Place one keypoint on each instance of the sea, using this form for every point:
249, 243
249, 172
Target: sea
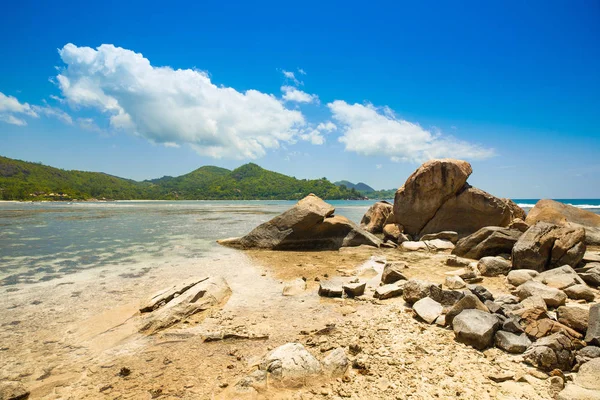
44, 241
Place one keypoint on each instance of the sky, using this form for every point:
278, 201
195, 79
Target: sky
344, 90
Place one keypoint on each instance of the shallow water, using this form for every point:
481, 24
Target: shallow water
45, 241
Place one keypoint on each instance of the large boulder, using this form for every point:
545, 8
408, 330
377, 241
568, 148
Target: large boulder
566, 215
308, 225
487, 241
204, 295
290, 364
468, 211
475, 328
426, 190
545, 246
376, 216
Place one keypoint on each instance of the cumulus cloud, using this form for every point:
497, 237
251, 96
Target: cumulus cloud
372, 131
289, 75
290, 93
316, 135
175, 106
12, 111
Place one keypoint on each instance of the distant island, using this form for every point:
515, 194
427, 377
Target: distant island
367, 190
21, 180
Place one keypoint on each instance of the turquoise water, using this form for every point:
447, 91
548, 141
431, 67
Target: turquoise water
45, 241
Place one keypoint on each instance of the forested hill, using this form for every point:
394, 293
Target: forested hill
20, 180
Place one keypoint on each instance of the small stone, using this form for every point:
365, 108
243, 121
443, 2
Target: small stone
294, 287
580, 292
475, 328
517, 277
388, 291
493, 266
392, 272
454, 282
502, 376
574, 317
470, 301
428, 309
552, 296
592, 336
330, 289
512, 343
481, 292
336, 363
354, 289
415, 289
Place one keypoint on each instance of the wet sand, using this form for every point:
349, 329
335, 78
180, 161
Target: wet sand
69, 338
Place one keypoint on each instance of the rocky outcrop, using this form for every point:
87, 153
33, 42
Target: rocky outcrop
202, 296
376, 216
437, 197
565, 215
487, 241
308, 225
545, 246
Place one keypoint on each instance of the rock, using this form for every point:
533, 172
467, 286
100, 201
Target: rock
336, 363
439, 244
388, 291
554, 212
544, 246
469, 302
586, 354
535, 301
512, 343
552, 297
441, 320
308, 225
551, 352
482, 293
538, 324
392, 272
475, 328
559, 278
588, 376
519, 225
330, 289
294, 287
493, 266
426, 190
354, 289
414, 246
206, 294
445, 297
428, 309
454, 261
516, 212
500, 377
574, 392
512, 325
591, 276
374, 219
580, 292
13, 391
290, 363
454, 282
415, 289
393, 233
449, 236
591, 256
487, 241
574, 317
468, 211
493, 307
592, 336
517, 277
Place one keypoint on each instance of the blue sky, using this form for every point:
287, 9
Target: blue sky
142, 90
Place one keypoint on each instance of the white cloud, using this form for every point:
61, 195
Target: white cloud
53, 112
379, 166
315, 136
175, 106
301, 71
10, 107
292, 77
290, 93
372, 131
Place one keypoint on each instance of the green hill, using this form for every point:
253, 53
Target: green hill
20, 180
367, 190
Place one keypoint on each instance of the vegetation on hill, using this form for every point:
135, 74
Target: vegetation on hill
367, 190
20, 180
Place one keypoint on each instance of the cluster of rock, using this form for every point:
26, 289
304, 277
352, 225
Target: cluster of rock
308, 225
